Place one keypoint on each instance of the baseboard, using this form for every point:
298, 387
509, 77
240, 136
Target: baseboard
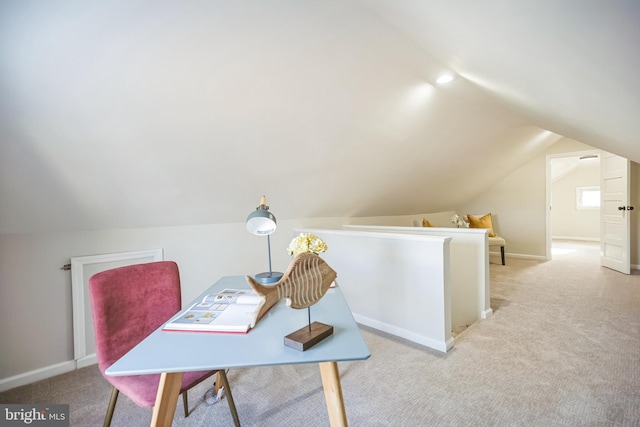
524, 256
46, 372
435, 344
541, 258
37, 375
485, 314
512, 255
582, 239
89, 360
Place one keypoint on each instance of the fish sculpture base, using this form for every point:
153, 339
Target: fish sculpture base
308, 336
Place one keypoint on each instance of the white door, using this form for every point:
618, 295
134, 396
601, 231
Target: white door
615, 213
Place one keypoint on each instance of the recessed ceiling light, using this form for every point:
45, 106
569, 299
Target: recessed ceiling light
445, 78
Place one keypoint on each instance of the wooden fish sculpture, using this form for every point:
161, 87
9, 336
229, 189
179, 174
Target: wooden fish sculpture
306, 280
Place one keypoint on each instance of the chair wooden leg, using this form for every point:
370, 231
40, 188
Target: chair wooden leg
232, 406
111, 407
217, 384
502, 253
185, 401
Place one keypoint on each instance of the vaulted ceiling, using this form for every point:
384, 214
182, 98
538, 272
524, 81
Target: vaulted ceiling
148, 113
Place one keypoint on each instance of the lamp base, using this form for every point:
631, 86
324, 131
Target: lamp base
268, 278
303, 338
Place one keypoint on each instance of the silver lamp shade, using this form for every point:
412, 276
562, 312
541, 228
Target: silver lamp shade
261, 222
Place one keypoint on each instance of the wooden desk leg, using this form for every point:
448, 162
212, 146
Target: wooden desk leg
333, 393
166, 399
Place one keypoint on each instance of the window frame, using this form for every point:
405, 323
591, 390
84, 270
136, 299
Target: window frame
580, 197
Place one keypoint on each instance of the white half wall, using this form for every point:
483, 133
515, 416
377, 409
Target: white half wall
469, 262
394, 282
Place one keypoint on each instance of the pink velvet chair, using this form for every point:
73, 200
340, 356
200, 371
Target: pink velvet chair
128, 303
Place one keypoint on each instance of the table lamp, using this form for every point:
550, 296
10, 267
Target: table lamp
262, 222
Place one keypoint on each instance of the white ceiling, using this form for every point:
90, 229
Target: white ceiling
147, 113
567, 66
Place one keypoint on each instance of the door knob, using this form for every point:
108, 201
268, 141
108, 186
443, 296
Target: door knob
629, 208
622, 208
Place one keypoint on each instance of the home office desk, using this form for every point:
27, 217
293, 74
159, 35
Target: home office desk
173, 353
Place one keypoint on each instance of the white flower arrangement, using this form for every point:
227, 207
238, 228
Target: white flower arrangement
306, 242
459, 221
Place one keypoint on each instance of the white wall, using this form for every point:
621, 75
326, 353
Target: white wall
35, 294
567, 221
438, 219
518, 204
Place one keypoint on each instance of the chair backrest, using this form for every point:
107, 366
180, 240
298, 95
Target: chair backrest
128, 303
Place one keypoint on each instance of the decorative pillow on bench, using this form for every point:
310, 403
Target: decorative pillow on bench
481, 222
426, 223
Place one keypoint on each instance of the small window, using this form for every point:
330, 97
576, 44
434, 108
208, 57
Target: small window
587, 197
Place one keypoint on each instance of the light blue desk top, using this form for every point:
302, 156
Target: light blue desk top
171, 351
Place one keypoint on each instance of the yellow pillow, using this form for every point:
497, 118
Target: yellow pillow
481, 222
426, 223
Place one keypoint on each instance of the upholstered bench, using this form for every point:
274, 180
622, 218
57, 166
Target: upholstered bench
473, 221
484, 221
498, 241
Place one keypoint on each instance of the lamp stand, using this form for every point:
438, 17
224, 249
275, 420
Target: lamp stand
270, 277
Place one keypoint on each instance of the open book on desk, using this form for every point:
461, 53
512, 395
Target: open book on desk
232, 310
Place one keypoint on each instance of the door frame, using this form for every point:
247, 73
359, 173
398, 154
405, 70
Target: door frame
550, 157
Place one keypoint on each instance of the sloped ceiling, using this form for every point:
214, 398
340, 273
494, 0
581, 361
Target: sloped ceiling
149, 113
567, 66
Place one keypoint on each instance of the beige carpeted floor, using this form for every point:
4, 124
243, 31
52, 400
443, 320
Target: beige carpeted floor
562, 349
